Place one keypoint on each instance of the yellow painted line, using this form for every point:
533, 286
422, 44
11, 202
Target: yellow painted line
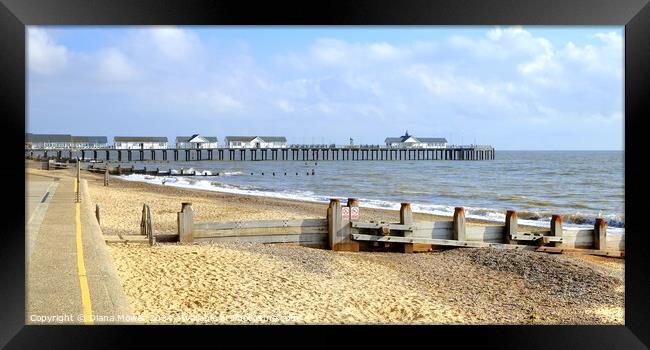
81, 267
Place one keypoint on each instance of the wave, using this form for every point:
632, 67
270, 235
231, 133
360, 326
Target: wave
615, 223
204, 172
231, 173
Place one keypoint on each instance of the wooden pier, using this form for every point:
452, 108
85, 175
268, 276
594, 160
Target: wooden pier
270, 154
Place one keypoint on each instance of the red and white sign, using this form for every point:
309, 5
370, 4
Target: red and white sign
354, 213
345, 213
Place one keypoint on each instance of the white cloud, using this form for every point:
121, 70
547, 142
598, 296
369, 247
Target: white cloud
113, 65
336, 52
331, 51
218, 101
45, 56
174, 43
598, 59
613, 39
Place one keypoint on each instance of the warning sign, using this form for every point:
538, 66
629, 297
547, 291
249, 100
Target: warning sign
345, 213
354, 213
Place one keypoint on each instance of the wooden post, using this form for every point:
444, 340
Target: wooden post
556, 228
600, 234
143, 220
334, 222
185, 223
106, 176
339, 229
149, 224
459, 224
346, 243
406, 218
511, 226
97, 214
78, 194
405, 214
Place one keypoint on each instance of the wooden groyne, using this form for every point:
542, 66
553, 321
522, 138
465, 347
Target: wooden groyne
471, 152
343, 230
128, 170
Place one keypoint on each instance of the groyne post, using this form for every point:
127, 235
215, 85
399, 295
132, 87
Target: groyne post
334, 222
459, 224
97, 214
106, 176
339, 225
406, 218
185, 223
347, 244
600, 234
511, 226
556, 228
78, 193
150, 236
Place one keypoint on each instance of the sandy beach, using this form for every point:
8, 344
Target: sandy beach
261, 284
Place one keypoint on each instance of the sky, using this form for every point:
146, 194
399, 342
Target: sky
515, 88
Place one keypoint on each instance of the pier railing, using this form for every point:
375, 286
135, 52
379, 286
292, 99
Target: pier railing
342, 230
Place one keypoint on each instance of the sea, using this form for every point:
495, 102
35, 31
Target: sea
580, 185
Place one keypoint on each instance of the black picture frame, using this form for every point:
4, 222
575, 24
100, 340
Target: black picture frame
633, 14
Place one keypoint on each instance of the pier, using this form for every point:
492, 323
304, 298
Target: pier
472, 152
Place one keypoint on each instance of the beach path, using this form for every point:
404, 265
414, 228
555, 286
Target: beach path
69, 278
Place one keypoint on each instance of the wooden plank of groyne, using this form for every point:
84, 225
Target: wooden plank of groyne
125, 238
289, 238
578, 239
376, 226
259, 224
421, 225
442, 242
526, 237
615, 243
438, 233
612, 253
484, 233
259, 231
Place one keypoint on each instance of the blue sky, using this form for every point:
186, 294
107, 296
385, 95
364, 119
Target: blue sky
511, 87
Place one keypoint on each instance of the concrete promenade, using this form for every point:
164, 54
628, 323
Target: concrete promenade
70, 277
